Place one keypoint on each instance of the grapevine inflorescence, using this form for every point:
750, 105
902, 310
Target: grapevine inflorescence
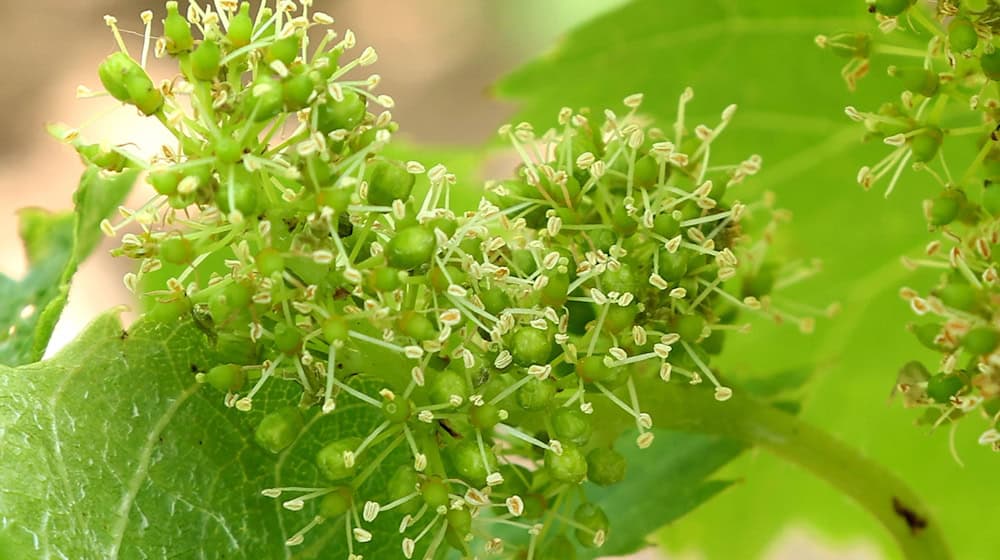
944, 125
614, 255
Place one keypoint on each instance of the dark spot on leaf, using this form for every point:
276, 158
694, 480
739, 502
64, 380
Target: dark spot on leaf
913, 520
124, 335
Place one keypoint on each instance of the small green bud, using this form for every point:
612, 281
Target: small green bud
296, 91
270, 261
917, 79
336, 503
177, 250
446, 384
411, 247
892, 8
397, 410
266, 98
690, 327
530, 346
569, 467
279, 429
177, 30
605, 466
287, 339
990, 63
335, 329
388, 181
594, 525
468, 461
206, 61
284, 50
926, 144
484, 417
962, 34
336, 460
571, 425
435, 492
345, 114
228, 377
981, 341
536, 394
240, 27
942, 387
945, 208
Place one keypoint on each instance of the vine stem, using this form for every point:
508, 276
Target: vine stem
746, 419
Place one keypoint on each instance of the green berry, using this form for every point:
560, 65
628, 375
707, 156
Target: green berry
177, 250
336, 503
459, 526
397, 410
926, 144
667, 225
206, 61
388, 181
530, 346
266, 98
945, 208
468, 461
227, 377
496, 300
287, 339
240, 27
297, 90
345, 114
646, 173
942, 387
571, 425
335, 329
177, 30
592, 369
569, 467
962, 34
416, 326
411, 247
690, 327
536, 394
284, 50
554, 293
981, 341
279, 429
331, 460
445, 384
673, 266
164, 181
594, 525
169, 311
624, 279
917, 79
927, 335
605, 466
228, 150
990, 63
484, 417
435, 492
618, 318
143, 93
960, 296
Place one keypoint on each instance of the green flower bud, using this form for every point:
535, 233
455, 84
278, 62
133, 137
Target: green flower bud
297, 90
569, 467
468, 461
571, 425
177, 30
945, 208
228, 377
240, 27
990, 63
287, 339
403, 483
530, 346
594, 524
942, 387
266, 98
484, 417
285, 50
206, 61
446, 384
962, 34
345, 114
177, 250
279, 429
411, 247
892, 8
336, 503
605, 466
536, 394
397, 410
336, 460
917, 79
388, 181
981, 341
436, 492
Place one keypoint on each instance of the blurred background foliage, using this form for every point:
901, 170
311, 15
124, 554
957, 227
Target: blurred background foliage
440, 59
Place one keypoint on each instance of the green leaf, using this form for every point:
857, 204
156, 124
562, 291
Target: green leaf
111, 449
55, 245
657, 492
761, 56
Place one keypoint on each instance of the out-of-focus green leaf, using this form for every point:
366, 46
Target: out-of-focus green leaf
761, 56
55, 245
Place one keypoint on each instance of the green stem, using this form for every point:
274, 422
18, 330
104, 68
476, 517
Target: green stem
750, 421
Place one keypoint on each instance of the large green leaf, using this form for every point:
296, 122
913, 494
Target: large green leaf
761, 56
111, 449
55, 245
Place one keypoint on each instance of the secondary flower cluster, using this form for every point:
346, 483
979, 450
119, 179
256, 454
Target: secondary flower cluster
950, 100
299, 247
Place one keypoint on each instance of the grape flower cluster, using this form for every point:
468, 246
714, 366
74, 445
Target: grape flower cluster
614, 254
944, 125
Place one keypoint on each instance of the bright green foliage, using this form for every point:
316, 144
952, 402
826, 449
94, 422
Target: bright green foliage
138, 455
55, 247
